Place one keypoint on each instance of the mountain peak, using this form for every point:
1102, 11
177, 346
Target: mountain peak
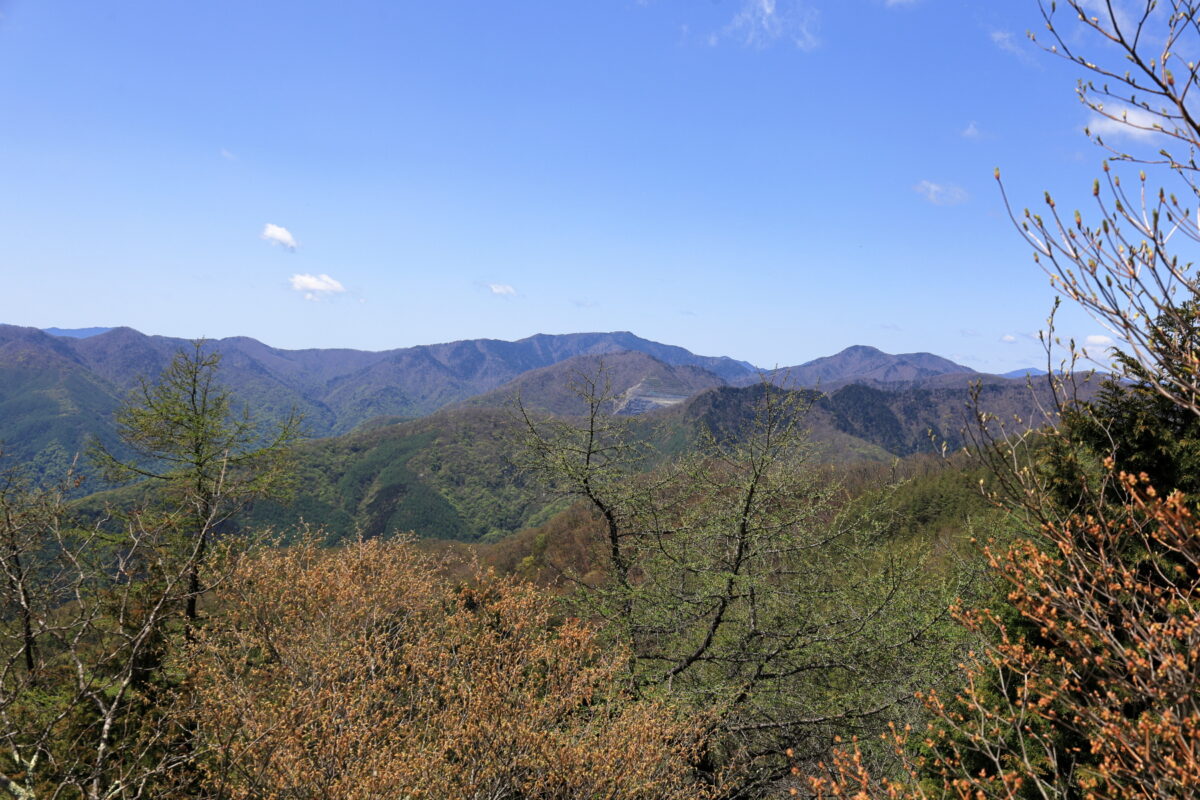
862, 362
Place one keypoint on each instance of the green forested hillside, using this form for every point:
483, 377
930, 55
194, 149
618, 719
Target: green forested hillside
448, 476
452, 475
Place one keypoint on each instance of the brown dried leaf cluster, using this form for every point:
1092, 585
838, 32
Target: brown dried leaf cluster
365, 673
1113, 663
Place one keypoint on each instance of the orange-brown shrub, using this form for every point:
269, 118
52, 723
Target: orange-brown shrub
1094, 692
365, 673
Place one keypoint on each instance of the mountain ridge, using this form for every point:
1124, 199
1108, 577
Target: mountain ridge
58, 391
863, 362
46, 376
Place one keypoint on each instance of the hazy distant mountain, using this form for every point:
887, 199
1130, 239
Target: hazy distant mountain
76, 333
70, 385
862, 363
56, 391
1027, 372
450, 474
639, 383
896, 419
563, 346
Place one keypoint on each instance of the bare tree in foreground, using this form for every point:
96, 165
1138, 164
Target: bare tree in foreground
85, 709
745, 582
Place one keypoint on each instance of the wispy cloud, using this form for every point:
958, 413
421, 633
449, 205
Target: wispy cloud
894, 3
1011, 44
228, 156
1134, 123
1097, 340
941, 194
971, 131
762, 23
315, 287
1008, 338
277, 234
501, 289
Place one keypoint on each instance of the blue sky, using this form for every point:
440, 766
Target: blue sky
771, 180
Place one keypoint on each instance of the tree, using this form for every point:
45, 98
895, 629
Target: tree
1123, 268
85, 616
1092, 690
184, 434
91, 614
742, 580
1090, 687
365, 672
1137, 426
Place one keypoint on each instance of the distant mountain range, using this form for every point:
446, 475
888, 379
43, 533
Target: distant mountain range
60, 386
76, 333
56, 390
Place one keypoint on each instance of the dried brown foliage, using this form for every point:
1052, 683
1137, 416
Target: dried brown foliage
365, 673
1102, 699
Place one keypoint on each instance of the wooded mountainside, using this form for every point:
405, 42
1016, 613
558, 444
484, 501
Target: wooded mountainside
594, 566
446, 473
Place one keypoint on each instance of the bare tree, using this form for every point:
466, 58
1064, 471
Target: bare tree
745, 581
84, 707
1129, 265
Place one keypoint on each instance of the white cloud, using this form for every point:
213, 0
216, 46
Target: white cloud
1098, 341
1136, 123
502, 289
894, 3
1011, 44
941, 194
971, 131
316, 286
762, 23
228, 156
277, 234
1008, 338
1004, 40
1100, 9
